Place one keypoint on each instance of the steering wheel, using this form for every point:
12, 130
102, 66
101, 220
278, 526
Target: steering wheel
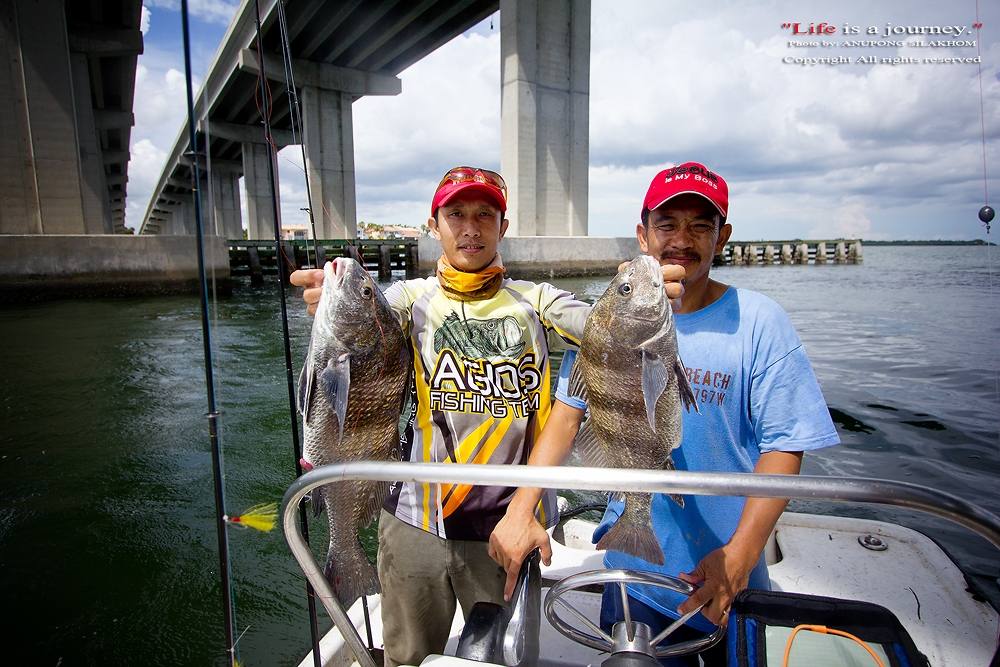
628, 636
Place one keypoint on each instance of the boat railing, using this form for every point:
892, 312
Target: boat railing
849, 489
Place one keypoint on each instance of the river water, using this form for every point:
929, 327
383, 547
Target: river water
107, 536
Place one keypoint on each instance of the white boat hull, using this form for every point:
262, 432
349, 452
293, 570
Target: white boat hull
808, 553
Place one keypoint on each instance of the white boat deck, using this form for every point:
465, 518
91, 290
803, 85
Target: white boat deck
812, 554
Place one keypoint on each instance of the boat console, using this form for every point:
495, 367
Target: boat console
760, 624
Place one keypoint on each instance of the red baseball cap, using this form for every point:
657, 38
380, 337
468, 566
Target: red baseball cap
688, 178
487, 183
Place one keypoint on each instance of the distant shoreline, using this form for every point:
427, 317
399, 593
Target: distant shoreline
975, 242
866, 242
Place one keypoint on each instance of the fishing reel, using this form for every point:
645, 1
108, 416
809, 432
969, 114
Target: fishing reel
630, 642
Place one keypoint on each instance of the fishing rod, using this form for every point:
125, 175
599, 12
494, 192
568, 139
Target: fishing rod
286, 339
213, 414
986, 213
295, 119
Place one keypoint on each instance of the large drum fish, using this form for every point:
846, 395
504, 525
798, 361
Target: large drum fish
351, 392
634, 383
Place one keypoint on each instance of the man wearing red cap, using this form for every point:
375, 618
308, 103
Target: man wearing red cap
481, 394
760, 409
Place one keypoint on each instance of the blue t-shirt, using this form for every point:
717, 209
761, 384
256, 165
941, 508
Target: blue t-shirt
757, 393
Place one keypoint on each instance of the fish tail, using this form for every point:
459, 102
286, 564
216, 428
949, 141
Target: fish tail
350, 573
631, 538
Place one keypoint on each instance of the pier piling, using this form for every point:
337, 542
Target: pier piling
381, 256
766, 253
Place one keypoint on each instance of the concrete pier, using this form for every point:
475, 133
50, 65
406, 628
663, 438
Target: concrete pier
66, 90
257, 182
46, 153
48, 266
838, 251
224, 198
544, 114
328, 138
550, 256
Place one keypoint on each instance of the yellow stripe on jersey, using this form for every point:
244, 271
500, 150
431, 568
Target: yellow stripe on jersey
482, 457
544, 408
466, 447
424, 424
544, 400
565, 334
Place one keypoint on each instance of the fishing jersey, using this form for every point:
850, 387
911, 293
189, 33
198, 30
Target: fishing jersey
481, 394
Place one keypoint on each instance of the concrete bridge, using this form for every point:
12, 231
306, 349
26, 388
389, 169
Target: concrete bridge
66, 88
344, 50
69, 82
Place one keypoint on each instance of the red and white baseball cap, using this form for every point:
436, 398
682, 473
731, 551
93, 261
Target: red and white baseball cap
689, 178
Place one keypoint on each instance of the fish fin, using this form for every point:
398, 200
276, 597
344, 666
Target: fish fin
317, 502
350, 574
336, 379
589, 446
684, 386
376, 498
654, 381
630, 538
577, 387
676, 497
305, 387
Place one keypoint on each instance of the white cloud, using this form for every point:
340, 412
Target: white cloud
144, 20
211, 11
143, 172
159, 110
874, 150
850, 220
692, 82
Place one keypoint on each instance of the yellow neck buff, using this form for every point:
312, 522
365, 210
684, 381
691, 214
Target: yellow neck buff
464, 286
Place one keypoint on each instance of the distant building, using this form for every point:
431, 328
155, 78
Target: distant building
400, 232
369, 230
294, 232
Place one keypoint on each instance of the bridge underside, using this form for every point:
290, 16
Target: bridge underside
342, 51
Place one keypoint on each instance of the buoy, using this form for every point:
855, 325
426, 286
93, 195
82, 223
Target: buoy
986, 214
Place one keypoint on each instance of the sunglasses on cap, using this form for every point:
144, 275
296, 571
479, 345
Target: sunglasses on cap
467, 174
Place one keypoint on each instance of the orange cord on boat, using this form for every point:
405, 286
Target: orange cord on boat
822, 629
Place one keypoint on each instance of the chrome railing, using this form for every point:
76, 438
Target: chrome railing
885, 492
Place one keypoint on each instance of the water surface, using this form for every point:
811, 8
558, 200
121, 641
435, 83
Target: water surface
107, 537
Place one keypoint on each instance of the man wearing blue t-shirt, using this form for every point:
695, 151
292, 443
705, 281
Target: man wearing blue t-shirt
760, 409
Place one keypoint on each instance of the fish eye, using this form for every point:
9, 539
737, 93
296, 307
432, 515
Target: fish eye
366, 292
625, 289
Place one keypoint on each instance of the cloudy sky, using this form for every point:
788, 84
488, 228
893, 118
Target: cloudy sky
879, 151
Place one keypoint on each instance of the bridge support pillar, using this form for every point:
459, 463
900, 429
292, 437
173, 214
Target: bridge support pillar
184, 222
328, 138
545, 98
257, 182
225, 204
93, 186
40, 182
